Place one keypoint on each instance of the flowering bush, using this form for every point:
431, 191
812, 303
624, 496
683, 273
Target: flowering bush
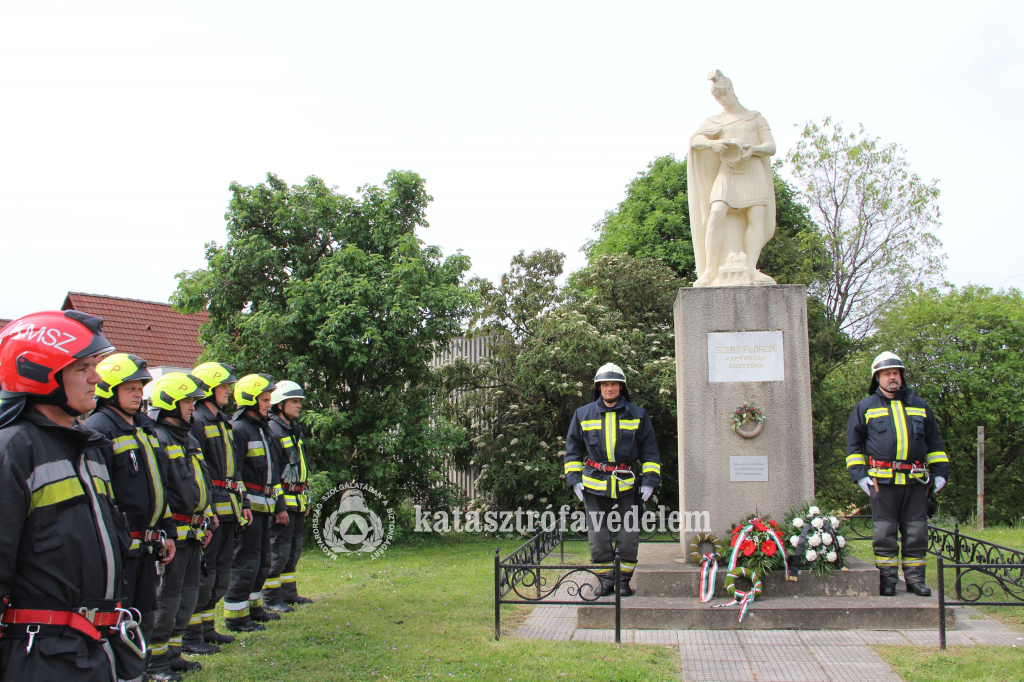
823, 548
758, 549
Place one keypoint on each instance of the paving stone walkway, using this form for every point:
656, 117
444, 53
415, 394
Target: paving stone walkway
777, 655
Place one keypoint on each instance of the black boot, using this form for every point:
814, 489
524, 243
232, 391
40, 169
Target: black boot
199, 647
243, 625
299, 599
159, 669
214, 637
920, 589
273, 600
624, 588
605, 587
182, 665
887, 579
261, 615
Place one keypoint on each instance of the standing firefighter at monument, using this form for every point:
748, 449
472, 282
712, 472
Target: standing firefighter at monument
172, 400
286, 539
893, 451
610, 449
243, 604
212, 429
62, 539
137, 477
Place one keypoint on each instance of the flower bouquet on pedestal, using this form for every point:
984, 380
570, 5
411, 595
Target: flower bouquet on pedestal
756, 549
814, 542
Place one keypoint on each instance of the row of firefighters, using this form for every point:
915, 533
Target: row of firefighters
123, 530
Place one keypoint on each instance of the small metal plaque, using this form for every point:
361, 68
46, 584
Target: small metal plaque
748, 468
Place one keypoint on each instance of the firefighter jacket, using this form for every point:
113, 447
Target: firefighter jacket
188, 482
222, 460
293, 450
902, 429
63, 539
261, 471
136, 475
622, 434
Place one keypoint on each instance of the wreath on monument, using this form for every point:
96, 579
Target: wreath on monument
708, 562
697, 556
748, 412
742, 597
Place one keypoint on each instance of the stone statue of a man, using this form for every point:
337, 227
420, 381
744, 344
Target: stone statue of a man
731, 193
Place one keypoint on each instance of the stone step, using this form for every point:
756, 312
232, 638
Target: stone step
662, 573
902, 612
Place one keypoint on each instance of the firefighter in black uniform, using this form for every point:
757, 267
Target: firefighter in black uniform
212, 428
893, 450
261, 476
286, 540
610, 442
63, 538
137, 479
172, 399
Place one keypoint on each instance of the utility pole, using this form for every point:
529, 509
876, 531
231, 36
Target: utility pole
981, 478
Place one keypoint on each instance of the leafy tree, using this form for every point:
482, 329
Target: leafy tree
339, 294
547, 344
875, 217
964, 351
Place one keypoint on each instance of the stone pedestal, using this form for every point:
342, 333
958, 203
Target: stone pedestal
770, 369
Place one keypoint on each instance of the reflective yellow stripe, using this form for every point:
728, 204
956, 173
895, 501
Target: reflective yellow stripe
136, 543
875, 413
899, 479
880, 473
917, 412
224, 508
629, 424
211, 431
570, 467
649, 467
174, 451
229, 452
591, 425
856, 460
913, 562
196, 619
291, 501
200, 481
937, 457
287, 442
610, 433
100, 486
124, 444
155, 478
594, 484
255, 452
886, 561
55, 493
900, 420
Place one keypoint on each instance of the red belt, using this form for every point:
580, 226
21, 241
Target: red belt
608, 468
84, 621
255, 487
195, 520
149, 535
295, 488
235, 486
895, 466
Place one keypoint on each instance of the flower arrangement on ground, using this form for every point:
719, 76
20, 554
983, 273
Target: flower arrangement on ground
814, 542
756, 543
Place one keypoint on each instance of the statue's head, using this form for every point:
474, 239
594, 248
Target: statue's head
721, 89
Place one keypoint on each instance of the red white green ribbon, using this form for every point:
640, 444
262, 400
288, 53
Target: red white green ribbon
773, 534
708, 573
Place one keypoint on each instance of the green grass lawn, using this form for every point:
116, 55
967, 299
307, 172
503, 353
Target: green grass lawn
974, 663
422, 611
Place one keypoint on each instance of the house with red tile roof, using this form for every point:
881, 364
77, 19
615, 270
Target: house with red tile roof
165, 338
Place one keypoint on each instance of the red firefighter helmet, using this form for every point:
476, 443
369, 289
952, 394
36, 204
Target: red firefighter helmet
34, 348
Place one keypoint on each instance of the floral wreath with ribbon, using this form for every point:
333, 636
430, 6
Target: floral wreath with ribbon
708, 562
769, 536
743, 598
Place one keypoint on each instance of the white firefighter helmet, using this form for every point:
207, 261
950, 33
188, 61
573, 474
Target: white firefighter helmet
610, 372
886, 360
286, 390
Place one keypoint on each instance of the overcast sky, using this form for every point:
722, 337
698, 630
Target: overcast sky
122, 124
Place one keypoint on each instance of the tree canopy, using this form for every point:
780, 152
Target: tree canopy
338, 294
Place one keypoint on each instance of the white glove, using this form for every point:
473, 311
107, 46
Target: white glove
578, 489
646, 491
940, 483
864, 483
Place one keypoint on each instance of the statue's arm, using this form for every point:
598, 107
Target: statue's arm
702, 141
764, 134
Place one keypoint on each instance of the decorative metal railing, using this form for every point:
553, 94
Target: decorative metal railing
984, 573
522, 578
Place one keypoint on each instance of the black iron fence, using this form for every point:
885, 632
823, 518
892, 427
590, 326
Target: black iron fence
522, 578
984, 573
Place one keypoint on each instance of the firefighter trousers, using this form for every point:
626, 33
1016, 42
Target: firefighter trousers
901, 509
140, 583
282, 537
217, 558
250, 567
175, 602
605, 517
288, 585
